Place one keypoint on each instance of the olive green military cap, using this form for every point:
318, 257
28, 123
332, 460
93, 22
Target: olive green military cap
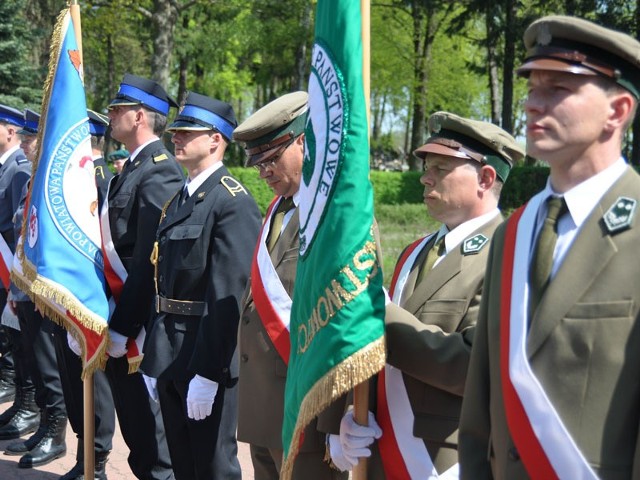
574, 45
483, 142
272, 128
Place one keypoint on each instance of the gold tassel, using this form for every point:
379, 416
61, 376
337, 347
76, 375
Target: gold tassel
354, 370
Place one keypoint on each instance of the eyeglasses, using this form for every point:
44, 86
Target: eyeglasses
272, 160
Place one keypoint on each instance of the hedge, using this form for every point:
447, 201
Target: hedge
395, 188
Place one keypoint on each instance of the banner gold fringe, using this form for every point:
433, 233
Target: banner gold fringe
359, 367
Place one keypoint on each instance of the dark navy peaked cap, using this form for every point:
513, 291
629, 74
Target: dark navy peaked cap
31, 120
11, 115
203, 113
98, 123
142, 91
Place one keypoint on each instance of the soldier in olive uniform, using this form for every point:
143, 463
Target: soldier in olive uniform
436, 291
150, 177
274, 143
204, 245
552, 389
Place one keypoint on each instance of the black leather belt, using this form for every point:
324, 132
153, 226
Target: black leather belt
179, 307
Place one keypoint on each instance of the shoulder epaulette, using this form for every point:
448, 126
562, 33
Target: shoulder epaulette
232, 185
473, 245
620, 214
22, 160
160, 157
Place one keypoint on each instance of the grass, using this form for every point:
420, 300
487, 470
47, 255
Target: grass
399, 226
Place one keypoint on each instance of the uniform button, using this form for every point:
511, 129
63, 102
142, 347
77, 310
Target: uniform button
160, 258
161, 278
245, 357
163, 239
225, 370
513, 454
246, 321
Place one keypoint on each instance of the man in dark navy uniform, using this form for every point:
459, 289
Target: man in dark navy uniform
205, 243
15, 169
98, 124
150, 177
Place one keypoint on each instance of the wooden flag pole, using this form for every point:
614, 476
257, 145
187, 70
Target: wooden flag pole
361, 391
88, 400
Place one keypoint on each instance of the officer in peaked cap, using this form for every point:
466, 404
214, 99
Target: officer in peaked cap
273, 128
273, 138
15, 170
98, 125
141, 91
137, 117
430, 323
38, 350
204, 244
568, 262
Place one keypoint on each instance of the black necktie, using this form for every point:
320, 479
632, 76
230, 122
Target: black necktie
184, 196
542, 261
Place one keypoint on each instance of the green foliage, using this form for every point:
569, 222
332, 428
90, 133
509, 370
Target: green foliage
395, 188
522, 184
18, 75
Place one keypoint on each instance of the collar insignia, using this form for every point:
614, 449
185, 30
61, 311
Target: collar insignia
620, 214
473, 245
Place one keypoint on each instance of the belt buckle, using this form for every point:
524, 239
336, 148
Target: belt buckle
157, 303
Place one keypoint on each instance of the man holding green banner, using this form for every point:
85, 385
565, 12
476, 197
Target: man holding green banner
336, 328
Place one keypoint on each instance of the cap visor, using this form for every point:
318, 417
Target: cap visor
553, 65
182, 125
254, 160
439, 149
121, 102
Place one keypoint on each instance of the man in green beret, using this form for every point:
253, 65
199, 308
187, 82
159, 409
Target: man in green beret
552, 389
118, 158
274, 143
435, 295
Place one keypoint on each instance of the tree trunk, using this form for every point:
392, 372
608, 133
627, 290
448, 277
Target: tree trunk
426, 24
492, 64
163, 23
507, 69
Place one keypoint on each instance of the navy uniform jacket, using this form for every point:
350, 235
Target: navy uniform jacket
205, 251
14, 173
136, 198
103, 177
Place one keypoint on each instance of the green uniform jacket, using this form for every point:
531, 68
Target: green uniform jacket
583, 346
430, 338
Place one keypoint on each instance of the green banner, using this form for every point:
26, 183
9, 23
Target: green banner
337, 318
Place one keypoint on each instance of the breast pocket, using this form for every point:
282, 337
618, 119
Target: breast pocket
187, 253
444, 313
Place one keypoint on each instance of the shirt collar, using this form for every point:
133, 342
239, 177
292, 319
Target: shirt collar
583, 198
193, 184
8, 153
454, 237
135, 153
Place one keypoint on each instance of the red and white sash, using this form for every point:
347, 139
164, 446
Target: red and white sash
116, 274
544, 444
272, 301
404, 456
6, 261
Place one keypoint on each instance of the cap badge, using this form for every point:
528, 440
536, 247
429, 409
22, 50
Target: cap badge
620, 214
473, 245
544, 35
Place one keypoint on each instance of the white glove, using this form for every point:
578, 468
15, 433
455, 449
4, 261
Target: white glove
338, 457
200, 397
117, 345
355, 438
73, 344
152, 387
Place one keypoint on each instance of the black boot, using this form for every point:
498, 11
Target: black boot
50, 447
20, 447
26, 418
100, 468
7, 387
